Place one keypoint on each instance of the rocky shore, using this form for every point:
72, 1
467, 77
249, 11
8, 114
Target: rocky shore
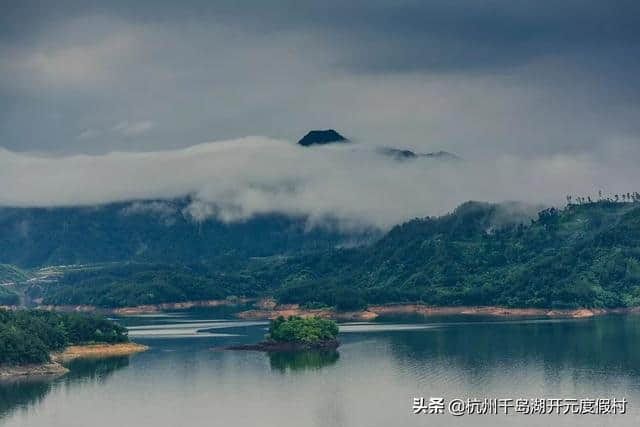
53, 369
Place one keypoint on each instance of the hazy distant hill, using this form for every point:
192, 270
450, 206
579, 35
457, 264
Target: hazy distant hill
150, 231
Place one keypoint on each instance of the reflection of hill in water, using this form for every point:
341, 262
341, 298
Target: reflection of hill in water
594, 347
94, 369
302, 360
21, 393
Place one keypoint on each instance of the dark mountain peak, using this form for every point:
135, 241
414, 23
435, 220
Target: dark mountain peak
322, 137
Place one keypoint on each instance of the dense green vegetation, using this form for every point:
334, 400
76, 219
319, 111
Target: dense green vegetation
11, 273
128, 284
8, 297
308, 331
9, 277
586, 255
28, 336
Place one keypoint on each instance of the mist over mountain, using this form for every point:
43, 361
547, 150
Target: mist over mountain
159, 231
345, 225
585, 255
350, 186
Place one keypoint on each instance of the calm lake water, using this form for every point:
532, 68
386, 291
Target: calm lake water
370, 381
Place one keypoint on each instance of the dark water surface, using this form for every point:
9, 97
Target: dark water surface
370, 381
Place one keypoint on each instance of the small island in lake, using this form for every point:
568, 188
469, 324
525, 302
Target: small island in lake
297, 333
34, 342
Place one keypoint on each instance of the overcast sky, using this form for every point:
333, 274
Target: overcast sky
466, 76
546, 83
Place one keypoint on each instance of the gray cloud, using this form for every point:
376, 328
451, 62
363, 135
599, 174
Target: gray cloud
127, 128
477, 78
237, 179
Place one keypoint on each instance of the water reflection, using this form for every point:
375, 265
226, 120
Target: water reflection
595, 347
94, 370
26, 392
380, 366
293, 361
22, 393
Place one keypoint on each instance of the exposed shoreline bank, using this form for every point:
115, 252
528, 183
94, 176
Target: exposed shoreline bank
56, 368
98, 351
147, 308
267, 308
268, 311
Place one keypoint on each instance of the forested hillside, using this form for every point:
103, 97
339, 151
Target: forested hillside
10, 275
128, 284
13, 274
586, 255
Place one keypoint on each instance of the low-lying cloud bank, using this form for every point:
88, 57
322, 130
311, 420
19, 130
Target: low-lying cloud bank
237, 179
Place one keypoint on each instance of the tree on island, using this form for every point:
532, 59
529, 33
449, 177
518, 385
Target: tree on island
298, 330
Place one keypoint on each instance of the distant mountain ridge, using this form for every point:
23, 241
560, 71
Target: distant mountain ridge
158, 231
155, 251
585, 255
481, 254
